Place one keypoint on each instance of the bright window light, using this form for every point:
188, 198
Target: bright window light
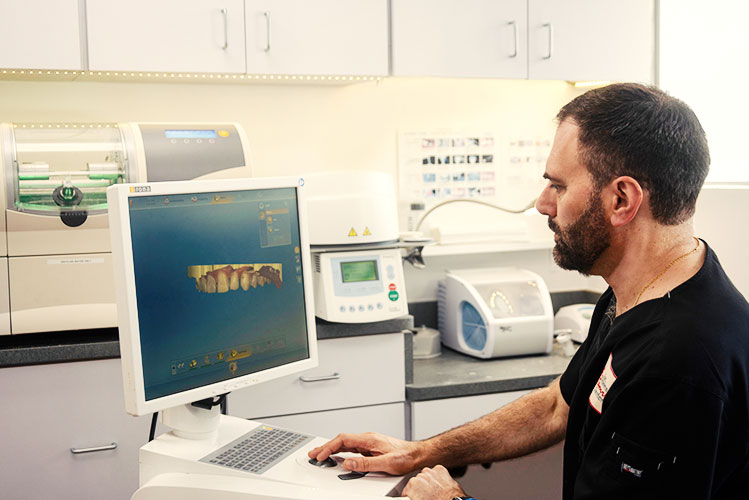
703, 52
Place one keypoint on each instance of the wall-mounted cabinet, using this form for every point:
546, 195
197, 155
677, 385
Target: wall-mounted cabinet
320, 37
520, 39
591, 40
468, 38
168, 35
535, 39
40, 34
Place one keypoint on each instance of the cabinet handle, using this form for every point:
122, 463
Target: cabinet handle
267, 31
78, 451
551, 40
334, 376
225, 14
514, 37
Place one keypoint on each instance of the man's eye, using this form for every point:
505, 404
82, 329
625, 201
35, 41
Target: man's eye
555, 187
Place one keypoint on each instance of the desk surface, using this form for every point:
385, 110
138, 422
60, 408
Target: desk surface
60, 347
453, 374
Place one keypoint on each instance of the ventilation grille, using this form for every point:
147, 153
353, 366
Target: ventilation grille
441, 306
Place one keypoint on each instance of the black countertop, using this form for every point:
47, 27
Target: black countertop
60, 347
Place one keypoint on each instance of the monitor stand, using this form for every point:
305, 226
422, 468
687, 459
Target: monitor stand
192, 422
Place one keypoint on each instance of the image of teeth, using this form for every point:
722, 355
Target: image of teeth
234, 279
222, 279
210, 283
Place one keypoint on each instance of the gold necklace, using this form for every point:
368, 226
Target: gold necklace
677, 259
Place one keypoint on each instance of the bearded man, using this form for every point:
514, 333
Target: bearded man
655, 403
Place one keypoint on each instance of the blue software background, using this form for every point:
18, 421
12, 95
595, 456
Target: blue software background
178, 322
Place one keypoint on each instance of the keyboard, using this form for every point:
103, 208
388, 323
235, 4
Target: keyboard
258, 450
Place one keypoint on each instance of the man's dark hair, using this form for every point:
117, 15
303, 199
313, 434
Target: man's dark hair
640, 131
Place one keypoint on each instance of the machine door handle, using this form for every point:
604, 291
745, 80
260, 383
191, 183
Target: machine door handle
225, 14
333, 376
550, 47
78, 451
514, 37
267, 31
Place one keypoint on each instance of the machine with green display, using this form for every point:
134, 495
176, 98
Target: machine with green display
55, 233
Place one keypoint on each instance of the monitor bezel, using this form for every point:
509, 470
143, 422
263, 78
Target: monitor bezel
118, 197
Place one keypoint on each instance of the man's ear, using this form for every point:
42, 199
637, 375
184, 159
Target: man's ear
624, 197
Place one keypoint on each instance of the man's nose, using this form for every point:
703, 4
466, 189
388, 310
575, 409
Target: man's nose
544, 203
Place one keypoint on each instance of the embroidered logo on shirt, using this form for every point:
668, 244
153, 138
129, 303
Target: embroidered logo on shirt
631, 470
605, 381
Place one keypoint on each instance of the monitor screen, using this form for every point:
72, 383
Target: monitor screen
219, 282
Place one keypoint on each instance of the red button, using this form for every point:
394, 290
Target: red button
392, 286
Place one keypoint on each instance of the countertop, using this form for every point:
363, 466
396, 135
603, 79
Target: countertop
453, 374
60, 347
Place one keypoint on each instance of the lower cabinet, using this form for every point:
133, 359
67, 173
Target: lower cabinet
49, 410
535, 477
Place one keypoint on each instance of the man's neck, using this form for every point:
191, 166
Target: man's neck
652, 262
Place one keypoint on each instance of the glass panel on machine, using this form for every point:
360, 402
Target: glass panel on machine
62, 167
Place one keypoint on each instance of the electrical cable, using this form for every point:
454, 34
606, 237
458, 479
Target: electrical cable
153, 426
467, 200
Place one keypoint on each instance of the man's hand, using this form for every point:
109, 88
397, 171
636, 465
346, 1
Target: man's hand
433, 484
379, 453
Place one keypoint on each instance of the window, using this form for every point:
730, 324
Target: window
703, 61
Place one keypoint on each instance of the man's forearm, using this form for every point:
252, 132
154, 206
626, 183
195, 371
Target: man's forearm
533, 422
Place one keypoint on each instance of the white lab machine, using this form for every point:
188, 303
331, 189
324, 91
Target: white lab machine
354, 239
574, 320
54, 181
228, 258
495, 312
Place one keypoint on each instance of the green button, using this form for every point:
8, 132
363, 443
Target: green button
393, 295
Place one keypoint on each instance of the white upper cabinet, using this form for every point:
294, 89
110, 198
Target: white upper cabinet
591, 40
40, 34
469, 38
166, 35
320, 37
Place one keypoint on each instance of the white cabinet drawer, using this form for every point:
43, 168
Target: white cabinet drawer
429, 418
352, 371
53, 408
387, 419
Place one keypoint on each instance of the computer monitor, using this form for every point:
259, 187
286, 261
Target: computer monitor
214, 291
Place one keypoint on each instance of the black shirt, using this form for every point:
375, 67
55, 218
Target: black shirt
659, 397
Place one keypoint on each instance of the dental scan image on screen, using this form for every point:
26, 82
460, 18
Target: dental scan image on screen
219, 286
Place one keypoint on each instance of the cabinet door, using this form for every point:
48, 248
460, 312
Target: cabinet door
40, 34
168, 35
591, 40
317, 37
537, 476
471, 38
386, 419
50, 409
352, 371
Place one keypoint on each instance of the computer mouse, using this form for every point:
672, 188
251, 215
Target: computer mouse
328, 462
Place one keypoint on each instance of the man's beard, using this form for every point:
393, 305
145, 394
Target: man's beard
579, 246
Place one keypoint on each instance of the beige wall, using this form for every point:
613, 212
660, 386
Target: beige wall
295, 129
